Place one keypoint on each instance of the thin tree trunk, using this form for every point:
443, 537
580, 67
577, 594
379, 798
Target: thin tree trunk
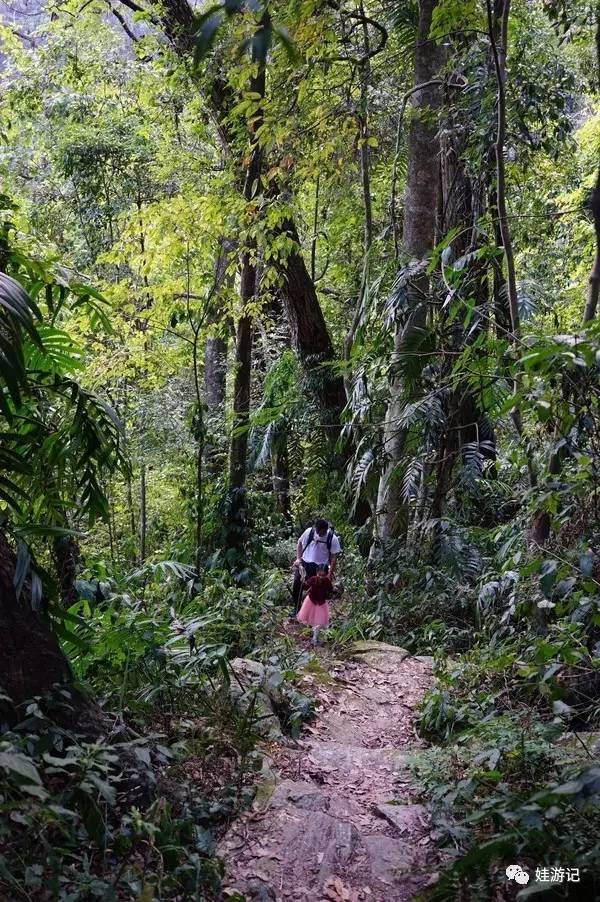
281, 475
499, 52
143, 524
236, 509
129, 488
198, 431
421, 204
365, 178
132, 524
313, 242
199, 503
591, 306
365, 150
215, 353
501, 307
111, 533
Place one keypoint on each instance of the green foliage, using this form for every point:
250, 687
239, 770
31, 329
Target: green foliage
71, 793
127, 165
156, 651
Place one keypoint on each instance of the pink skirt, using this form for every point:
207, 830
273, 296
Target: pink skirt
313, 614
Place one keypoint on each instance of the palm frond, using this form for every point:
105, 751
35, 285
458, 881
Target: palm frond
428, 410
360, 476
411, 481
398, 303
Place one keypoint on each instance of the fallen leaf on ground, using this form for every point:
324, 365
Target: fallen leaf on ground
335, 890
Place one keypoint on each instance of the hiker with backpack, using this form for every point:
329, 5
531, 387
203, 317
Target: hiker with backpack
317, 546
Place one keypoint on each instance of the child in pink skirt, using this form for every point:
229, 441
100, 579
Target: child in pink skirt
315, 610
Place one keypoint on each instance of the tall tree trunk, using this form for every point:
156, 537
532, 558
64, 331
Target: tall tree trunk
215, 352
215, 373
310, 336
306, 319
363, 131
32, 660
591, 306
143, 521
421, 204
499, 51
501, 307
199, 503
467, 429
236, 507
501, 304
500, 13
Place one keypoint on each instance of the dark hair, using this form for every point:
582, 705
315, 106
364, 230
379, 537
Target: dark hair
322, 569
321, 525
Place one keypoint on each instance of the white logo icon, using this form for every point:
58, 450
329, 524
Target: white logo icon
515, 872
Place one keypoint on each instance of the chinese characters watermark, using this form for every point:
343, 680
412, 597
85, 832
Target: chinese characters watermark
543, 875
557, 875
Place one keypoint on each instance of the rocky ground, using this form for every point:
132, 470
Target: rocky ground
335, 817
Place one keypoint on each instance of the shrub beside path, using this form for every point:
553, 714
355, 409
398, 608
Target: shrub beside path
335, 818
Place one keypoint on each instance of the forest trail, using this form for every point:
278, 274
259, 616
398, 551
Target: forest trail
334, 819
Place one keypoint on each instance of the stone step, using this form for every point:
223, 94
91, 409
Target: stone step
344, 757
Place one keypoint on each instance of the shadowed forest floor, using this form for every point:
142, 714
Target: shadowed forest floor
335, 818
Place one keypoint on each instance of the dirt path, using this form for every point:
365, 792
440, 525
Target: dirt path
334, 818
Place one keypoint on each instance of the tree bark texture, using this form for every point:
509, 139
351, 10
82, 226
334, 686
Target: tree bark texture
421, 201
310, 337
66, 562
467, 429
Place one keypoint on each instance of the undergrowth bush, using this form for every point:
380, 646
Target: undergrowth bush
515, 635
130, 806
507, 791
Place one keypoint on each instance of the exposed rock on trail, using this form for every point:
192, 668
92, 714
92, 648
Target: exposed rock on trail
334, 819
